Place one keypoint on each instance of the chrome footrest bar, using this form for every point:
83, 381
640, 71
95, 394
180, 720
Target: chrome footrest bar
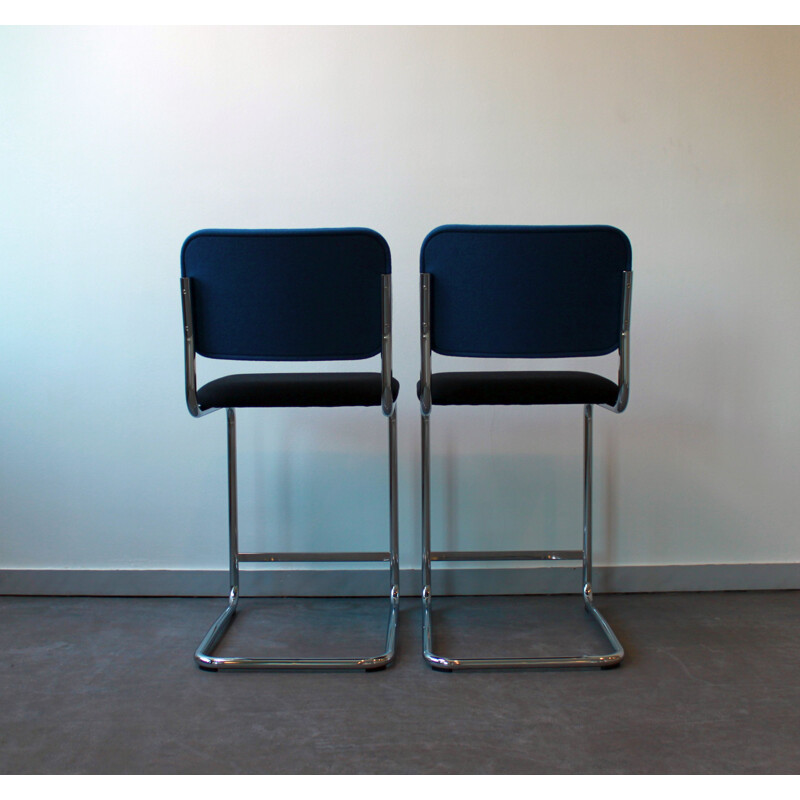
506, 555
303, 557
556, 662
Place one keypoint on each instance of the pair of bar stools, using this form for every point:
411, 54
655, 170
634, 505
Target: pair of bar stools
485, 291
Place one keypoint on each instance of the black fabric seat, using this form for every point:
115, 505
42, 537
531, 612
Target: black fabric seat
306, 389
520, 388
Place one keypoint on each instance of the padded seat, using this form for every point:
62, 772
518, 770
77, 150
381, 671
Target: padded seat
520, 388
306, 389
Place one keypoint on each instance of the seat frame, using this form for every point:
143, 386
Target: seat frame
203, 655
449, 663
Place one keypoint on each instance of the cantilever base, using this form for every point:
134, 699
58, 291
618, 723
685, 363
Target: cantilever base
206, 661
447, 664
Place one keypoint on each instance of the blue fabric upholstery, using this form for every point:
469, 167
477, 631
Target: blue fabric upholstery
286, 295
525, 292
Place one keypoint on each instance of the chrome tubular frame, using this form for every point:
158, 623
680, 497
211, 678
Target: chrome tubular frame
425, 343
189, 352
447, 663
624, 347
203, 655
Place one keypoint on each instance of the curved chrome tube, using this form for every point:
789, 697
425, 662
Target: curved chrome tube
387, 397
624, 347
425, 401
218, 629
189, 352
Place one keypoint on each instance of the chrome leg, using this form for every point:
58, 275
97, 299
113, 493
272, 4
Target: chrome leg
618, 653
220, 627
203, 656
587, 503
426, 507
394, 552
427, 621
233, 506
394, 564
447, 663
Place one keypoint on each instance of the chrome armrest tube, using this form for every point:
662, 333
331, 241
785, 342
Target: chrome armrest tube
387, 398
188, 351
624, 347
425, 344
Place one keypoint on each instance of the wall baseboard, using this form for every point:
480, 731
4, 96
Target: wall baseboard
373, 582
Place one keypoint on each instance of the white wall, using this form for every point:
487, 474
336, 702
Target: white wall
115, 144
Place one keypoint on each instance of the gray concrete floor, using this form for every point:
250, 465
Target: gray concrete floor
710, 684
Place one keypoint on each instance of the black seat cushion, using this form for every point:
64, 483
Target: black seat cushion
276, 390
520, 388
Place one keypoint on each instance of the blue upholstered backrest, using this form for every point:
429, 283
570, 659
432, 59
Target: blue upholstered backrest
286, 295
528, 292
